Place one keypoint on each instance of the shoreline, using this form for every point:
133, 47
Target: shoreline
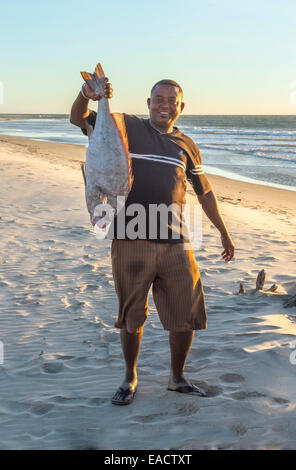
250, 195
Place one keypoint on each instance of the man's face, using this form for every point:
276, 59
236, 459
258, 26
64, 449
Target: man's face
165, 106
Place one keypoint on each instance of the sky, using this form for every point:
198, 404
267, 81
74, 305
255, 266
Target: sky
230, 57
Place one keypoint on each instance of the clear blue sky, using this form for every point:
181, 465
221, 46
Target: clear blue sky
231, 57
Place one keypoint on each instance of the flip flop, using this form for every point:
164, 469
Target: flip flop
189, 389
123, 397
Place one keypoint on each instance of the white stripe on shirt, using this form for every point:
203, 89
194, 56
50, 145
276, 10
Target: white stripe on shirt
160, 159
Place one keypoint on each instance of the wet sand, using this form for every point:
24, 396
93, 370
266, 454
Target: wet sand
62, 355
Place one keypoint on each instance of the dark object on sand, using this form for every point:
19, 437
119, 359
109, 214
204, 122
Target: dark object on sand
242, 289
259, 283
290, 299
273, 288
260, 280
291, 302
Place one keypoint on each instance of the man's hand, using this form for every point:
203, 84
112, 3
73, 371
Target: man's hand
108, 91
210, 206
80, 106
228, 246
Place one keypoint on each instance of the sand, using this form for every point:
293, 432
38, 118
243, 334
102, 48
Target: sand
62, 355
11, 118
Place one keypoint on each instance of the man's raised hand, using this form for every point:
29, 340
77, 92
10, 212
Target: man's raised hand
108, 91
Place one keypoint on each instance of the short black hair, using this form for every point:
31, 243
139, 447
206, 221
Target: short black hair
167, 82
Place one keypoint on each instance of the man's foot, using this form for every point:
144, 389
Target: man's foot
178, 383
124, 396
188, 388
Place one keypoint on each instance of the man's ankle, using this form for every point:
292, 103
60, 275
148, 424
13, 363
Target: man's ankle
177, 378
131, 378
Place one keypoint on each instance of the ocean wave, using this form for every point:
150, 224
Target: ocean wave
233, 141
253, 152
238, 131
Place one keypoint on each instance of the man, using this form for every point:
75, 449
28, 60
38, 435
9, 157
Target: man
163, 159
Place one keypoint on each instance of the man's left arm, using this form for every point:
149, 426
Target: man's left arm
211, 208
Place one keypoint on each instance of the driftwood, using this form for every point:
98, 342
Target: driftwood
273, 288
242, 289
259, 283
260, 280
290, 302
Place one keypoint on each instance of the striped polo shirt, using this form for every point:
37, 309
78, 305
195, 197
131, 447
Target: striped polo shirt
162, 163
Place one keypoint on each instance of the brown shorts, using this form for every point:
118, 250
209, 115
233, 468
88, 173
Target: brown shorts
176, 285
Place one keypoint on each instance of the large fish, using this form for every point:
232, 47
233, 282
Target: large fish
107, 170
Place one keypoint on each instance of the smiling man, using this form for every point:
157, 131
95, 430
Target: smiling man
165, 104
163, 160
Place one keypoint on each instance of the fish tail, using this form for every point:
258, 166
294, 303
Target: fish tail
86, 76
99, 71
95, 80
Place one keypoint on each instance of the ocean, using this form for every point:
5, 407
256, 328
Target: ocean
255, 149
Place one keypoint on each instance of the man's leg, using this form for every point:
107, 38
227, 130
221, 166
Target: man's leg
133, 268
130, 343
180, 344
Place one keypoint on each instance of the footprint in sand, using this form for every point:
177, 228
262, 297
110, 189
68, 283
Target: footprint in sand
150, 418
62, 400
232, 378
187, 409
40, 408
88, 287
98, 401
246, 395
280, 400
239, 429
52, 367
210, 390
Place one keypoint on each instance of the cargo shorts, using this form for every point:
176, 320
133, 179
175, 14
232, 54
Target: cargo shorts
176, 285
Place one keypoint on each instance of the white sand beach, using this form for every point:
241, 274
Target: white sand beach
62, 356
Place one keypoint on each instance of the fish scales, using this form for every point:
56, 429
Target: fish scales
108, 165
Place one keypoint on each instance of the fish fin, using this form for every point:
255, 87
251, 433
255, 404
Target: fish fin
120, 125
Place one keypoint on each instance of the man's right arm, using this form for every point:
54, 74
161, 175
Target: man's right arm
80, 111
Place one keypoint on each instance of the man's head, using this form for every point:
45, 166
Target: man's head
165, 104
